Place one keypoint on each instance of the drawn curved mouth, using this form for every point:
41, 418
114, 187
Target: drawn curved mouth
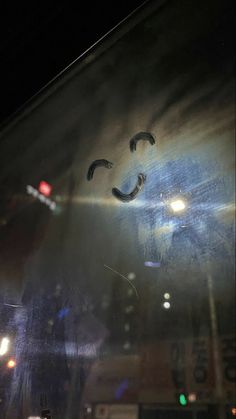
117, 193
127, 197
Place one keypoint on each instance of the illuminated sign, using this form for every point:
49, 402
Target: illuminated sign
45, 188
42, 198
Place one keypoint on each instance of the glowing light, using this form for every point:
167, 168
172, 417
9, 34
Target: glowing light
129, 309
178, 205
63, 312
182, 399
45, 188
233, 411
52, 206
131, 276
167, 296
166, 305
192, 397
11, 363
127, 327
150, 264
126, 346
41, 197
121, 389
4, 346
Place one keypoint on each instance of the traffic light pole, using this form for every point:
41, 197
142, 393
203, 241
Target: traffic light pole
216, 350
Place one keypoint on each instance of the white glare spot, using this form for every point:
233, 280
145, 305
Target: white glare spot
34, 192
4, 346
127, 327
41, 198
166, 305
131, 276
178, 205
126, 346
167, 296
129, 309
29, 189
52, 206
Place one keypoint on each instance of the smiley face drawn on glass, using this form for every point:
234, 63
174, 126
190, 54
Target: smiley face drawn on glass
125, 197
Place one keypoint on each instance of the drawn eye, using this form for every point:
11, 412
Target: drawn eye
144, 136
98, 163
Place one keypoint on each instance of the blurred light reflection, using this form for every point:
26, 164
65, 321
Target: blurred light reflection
166, 305
11, 363
4, 346
178, 205
150, 264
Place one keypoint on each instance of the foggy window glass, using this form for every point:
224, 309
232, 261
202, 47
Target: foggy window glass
117, 204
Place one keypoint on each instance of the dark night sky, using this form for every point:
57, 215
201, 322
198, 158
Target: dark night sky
37, 42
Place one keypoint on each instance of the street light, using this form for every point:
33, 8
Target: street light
11, 363
4, 346
177, 205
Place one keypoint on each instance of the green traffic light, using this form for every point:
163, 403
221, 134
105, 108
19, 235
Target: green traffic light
182, 400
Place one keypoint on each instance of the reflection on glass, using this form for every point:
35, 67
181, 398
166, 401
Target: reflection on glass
178, 205
166, 305
4, 346
11, 363
124, 309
